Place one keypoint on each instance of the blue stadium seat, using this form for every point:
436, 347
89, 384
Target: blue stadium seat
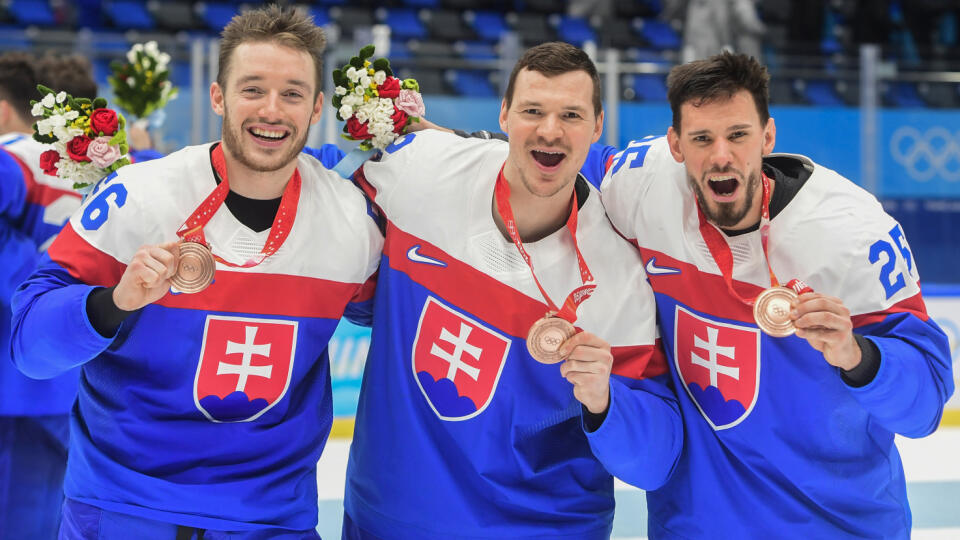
904, 94
575, 30
488, 25
471, 83
398, 50
109, 42
216, 15
321, 16
405, 24
431, 4
659, 35
32, 12
647, 86
822, 93
476, 50
128, 14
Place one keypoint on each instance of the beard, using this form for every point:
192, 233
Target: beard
232, 142
725, 215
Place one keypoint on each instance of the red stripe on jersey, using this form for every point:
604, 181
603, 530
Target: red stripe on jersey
699, 290
84, 262
606, 166
640, 361
365, 185
365, 291
37, 193
268, 294
913, 305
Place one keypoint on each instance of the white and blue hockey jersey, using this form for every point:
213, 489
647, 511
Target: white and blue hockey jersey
459, 432
777, 444
207, 410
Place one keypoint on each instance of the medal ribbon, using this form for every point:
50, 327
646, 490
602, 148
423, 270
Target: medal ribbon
501, 194
720, 250
192, 228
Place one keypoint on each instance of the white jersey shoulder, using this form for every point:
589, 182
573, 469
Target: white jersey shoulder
28, 150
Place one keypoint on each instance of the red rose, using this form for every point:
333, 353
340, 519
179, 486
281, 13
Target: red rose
357, 130
390, 88
77, 148
103, 122
399, 120
48, 162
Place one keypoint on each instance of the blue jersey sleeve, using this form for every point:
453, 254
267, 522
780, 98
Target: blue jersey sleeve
17, 250
146, 154
597, 162
915, 377
50, 302
641, 438
327, 154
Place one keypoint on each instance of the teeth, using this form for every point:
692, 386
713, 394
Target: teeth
267, 133
720, 178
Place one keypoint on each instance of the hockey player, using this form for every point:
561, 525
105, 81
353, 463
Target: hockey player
786, 435
460, 431
203, 411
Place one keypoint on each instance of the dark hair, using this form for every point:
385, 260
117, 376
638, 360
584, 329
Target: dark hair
718, 77
18, 83
69, 73
556, 58
284, 26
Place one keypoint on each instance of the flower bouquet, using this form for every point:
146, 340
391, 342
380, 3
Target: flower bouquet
141, 85
375, 105
89, 140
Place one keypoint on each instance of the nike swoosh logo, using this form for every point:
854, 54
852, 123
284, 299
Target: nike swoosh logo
654, 270
414, 255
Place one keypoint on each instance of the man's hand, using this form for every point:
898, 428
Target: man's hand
587, 367
825, 323
147, 277
423, 124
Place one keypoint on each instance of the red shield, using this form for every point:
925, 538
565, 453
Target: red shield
456, 361
719, 364
244, 368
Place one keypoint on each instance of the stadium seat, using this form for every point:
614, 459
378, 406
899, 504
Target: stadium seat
404, 23
321, 16
431, 80
448, 26
575, 30
399, 50
533, 28
471, 83
541, 6
940, 95
619, 33
821, 93
488, 25
659, 35
646, 87
31, 12
903, 94
782, 92
129, 14
216, 15
489, 5
431, 49
420, 4
476, 50
350, 18
637, 8
173, 16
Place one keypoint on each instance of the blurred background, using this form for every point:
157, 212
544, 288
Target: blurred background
869, 88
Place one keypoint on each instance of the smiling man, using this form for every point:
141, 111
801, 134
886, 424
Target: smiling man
790, 401
461, 432
203, 407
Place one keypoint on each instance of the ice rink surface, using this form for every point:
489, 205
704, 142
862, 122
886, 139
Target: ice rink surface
932, 467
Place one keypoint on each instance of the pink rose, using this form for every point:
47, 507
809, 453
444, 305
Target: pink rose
101, 153
410, 102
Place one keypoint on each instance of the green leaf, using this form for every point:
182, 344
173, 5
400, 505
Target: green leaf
356, 62
381, 64
367, 52
337, 101
99, 103
44, 90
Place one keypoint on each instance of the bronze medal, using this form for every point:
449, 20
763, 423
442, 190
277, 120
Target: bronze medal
545, 337
194, 269
771, 310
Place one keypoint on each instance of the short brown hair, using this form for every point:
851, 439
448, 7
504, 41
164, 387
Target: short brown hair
284, 26
70, 73
552, 59
718, 77
18, 82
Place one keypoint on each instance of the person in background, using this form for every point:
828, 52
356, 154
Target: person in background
205, 397
790, 397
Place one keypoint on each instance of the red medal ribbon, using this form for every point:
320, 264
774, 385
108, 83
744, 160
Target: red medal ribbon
501, 194
720, 250
192, 228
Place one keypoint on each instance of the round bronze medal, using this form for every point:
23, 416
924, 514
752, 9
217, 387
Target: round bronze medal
772, 311
545, 337
194, 269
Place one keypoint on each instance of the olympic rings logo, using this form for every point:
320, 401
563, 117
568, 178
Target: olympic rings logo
927, 155
552, 341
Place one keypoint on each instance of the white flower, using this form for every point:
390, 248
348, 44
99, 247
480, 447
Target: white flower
61, 97
151, 48
131, 56
346, 111
71, 115
379, 77
364, 80
358, 90
340, 91
48, 101
362, 116
352, 74
37, 110
131, 81
44, 127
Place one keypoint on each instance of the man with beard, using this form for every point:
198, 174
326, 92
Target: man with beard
473, 420
203, 407
791, 398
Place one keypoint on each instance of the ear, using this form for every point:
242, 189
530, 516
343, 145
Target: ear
317, 109
673, 139
769, 136
503, 117
598, 129
216, 98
